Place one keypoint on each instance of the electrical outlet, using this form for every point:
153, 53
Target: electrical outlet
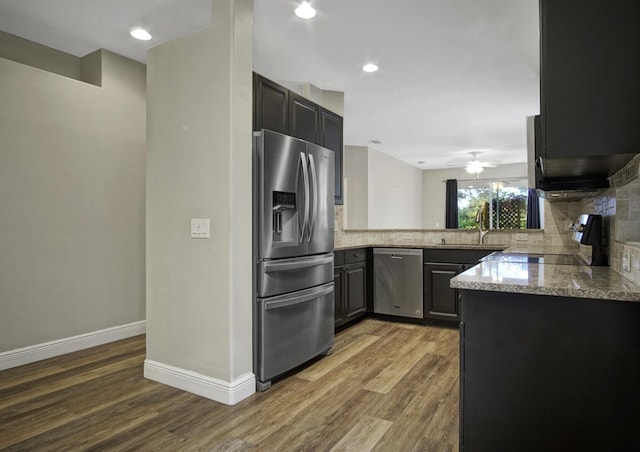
200, 228
522, 237
626, 261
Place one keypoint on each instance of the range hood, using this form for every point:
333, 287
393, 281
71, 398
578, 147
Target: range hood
577, 178
569, 179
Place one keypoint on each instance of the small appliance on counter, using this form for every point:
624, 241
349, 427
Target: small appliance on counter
587, 230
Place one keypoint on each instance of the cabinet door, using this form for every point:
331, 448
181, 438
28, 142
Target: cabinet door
356, 286
338, 293
441, 301
590, 67
331, 138
304, 118
270, 105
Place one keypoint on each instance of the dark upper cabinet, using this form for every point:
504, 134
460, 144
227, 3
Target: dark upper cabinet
304, 118
331, 138
270, 105
589, 81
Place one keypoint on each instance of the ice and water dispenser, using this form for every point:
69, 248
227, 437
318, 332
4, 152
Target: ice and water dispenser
285, 219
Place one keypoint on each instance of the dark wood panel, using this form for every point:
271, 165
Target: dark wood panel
590, 67
340, 314
441, 301
549, 373
304, 118
331, 138
356, 284
270, 105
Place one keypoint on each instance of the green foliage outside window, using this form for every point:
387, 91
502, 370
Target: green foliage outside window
506, 205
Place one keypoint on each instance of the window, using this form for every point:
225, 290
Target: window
505, 203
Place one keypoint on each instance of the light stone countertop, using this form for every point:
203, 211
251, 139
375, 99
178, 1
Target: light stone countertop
578, 281
447, 246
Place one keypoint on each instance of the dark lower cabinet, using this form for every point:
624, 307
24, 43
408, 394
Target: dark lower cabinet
547, 373
350, 286
441, 301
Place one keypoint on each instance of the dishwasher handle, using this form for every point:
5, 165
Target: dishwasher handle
396, 257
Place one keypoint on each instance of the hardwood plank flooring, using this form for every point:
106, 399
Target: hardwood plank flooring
386, 387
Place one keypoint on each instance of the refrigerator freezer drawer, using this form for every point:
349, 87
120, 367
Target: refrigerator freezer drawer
292, 329
288, 275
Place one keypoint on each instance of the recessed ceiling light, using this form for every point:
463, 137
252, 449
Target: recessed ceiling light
305, 11
420, 162
140, 34
369, 67
376, 141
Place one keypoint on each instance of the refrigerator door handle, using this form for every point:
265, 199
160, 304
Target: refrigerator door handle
276, 266
294, 299
314, 189
305, 176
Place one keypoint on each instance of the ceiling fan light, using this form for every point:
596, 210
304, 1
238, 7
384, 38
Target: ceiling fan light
474, 167
305, 11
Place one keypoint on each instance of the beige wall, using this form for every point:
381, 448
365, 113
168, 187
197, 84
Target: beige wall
199, 166
434, 188
72, 169
382, 192
395, 200
356, 187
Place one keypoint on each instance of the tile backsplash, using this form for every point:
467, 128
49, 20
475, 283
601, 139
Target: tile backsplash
620, 210
555, 237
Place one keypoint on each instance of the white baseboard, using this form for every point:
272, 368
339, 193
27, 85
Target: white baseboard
221, 391
33, 353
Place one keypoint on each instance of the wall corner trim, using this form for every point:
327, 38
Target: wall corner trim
33, 353
221, 391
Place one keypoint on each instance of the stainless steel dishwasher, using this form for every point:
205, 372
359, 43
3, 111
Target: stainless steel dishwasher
398, 282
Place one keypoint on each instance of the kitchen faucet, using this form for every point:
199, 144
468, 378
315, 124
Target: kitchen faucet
479, 219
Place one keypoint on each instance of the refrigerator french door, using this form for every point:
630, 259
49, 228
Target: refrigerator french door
293, 248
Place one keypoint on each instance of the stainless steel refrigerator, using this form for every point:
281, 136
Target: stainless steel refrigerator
293, 308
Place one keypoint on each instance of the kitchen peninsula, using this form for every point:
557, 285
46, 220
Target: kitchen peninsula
550, 355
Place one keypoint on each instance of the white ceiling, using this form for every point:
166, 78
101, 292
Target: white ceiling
455, 75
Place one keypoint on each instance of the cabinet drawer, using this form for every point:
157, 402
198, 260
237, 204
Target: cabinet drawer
338, 258
460, 256
353, 256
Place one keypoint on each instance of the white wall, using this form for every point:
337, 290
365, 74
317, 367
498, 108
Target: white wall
395, 199
199, 166
434, 188
72, 171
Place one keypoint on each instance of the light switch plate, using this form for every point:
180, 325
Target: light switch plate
626, 261
200, 228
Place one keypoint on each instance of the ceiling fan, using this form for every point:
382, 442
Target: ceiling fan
475, 166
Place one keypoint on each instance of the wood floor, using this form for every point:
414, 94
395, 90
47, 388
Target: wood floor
387, 387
